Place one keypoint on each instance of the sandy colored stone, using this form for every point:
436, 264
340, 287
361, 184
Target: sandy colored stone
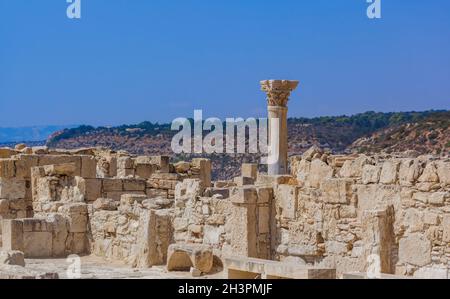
12, 258
415, 249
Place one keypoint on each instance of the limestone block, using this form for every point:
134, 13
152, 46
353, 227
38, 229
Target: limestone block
245, 195
163, 184
333, 247
166, 176
377, 197
189, 188
243, 225
79, 243
249, 170
371, 174
34, 225
125, 162
337, 191
287, 198
438, 198
354, 168
264, 220
93, 189
443, 171
111, 185
37, 244
243, 181
20, 146
270, 180
67, 169
145, 171
130, 199
24, 164
116, 195
224, 184
12, 188
162, 162
413, 220
17, 204
58, 225
204, 165
125, 172
430, 218
429, 174
251, 268
40, 150
302, 170
6, 152
318, 172
446, 226
112, 169
180, 224
182, 167
13, 257
4, 207
77, 214
389, 172
12, 235
212, 234
181, 257
409, 172
265, 195
61, 159
195, 229
421, 196
88, 167
347, 211
105, 204
154, 237
134, 185
7, 169
415, 249
339, 160
153, 193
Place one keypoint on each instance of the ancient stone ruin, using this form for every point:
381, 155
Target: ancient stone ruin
318, 216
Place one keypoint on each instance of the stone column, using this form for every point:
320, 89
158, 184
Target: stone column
278, 92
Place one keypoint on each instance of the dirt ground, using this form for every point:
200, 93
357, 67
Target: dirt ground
93, 267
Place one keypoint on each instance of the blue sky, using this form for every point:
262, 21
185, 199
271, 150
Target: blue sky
129, 61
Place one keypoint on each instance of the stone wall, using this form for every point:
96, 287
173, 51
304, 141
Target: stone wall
345, 211
56, 235
201, 214
351, 213
136, 230
91, 200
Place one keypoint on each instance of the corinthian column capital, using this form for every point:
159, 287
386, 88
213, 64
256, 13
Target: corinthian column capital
278, 91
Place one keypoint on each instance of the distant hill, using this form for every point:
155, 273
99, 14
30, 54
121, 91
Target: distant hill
28, 134
424, 132
430, 134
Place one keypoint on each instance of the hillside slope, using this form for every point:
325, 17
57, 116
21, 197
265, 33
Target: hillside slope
424, 132
430, 135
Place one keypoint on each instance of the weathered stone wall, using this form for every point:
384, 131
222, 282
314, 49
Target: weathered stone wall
15, 176
64, 191
345, 211
353, 213
200, 215
55, 235
136, 230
